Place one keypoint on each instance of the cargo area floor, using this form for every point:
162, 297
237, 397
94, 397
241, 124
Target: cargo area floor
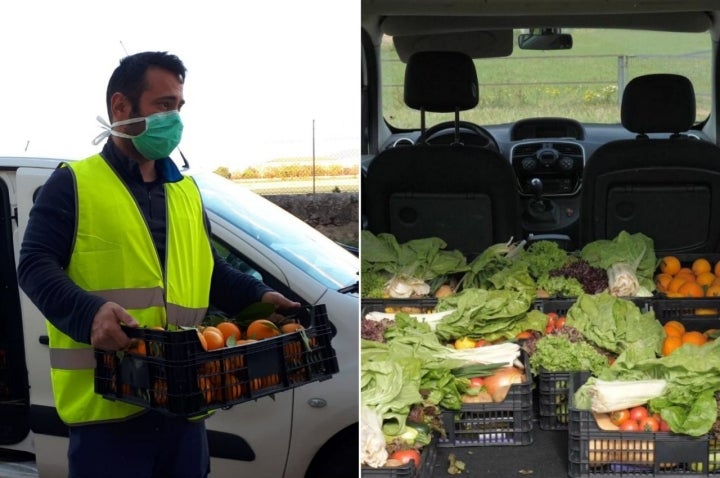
545, 457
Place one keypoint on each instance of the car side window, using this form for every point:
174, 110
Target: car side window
234, 259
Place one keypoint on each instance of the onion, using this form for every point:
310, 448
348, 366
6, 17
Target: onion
498, 384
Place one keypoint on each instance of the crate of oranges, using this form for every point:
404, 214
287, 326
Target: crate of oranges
194, 370
688, 291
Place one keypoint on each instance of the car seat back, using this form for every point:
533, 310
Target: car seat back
464, 194
664, 183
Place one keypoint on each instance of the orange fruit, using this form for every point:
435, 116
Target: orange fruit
137, 346
670, 343
670, 265
716, 269
694, 337
691, 289
674, 327
675, 283
233, 387
705, 278
713, 291
229, 329
262, 329
701, 265
291, 327
214, 338
202, 339
662, 280
706, 311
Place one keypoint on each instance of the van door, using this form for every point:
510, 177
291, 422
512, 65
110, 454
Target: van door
14, 388
49, 434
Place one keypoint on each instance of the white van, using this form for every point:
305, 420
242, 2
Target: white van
309, 431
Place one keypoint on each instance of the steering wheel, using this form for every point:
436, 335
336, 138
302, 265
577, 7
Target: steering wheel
436, 131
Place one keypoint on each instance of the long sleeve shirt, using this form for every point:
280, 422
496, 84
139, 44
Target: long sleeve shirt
49, 238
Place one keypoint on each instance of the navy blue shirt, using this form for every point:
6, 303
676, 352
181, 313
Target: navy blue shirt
50, 234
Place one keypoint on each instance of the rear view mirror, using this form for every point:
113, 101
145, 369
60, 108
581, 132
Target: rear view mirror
545, 39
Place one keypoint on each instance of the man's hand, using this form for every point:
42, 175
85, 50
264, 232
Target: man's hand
279, 300
106, 333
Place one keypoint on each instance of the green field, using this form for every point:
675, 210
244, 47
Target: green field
582, 83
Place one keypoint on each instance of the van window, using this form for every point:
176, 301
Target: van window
584, 83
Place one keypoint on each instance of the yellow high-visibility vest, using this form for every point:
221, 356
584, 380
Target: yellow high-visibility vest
114, 257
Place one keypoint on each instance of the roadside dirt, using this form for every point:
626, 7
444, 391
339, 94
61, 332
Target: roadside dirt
333, 214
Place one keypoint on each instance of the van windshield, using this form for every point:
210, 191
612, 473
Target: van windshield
294, 240
584, 83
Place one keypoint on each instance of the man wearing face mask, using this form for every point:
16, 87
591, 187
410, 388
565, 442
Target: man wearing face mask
121, 238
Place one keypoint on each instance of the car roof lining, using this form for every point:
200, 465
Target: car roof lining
691, 22
534, 7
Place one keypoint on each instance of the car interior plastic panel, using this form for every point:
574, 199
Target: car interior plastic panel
464, 194
666, 187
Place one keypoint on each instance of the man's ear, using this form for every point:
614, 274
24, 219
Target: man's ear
120, 107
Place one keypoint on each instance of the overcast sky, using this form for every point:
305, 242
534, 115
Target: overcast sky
259, 74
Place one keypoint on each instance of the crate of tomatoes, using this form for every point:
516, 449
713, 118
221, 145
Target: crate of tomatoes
192, 371
633, 442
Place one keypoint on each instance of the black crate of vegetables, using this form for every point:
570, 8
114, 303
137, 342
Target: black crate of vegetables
409, 470
599, 452
505, 423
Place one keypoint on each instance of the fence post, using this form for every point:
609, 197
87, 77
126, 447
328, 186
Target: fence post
622, 76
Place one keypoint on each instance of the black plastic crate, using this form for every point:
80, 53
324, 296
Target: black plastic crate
593, 452
696, 314
417, 306
561, 306
553, 400
425, 470
179, 377
509, 422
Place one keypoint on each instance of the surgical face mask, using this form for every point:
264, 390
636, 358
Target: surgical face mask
161, 136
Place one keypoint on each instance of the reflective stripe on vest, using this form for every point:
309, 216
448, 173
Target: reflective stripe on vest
114, 257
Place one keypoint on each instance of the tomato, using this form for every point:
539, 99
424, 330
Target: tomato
664, 426
550, 327
638, 413
560, 322
525, 334
630, 425
405, 456
649, 424
481, 343
477, 382
618, 417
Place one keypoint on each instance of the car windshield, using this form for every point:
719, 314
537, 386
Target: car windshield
294, 240
584, 83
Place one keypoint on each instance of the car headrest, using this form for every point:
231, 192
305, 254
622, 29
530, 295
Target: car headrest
441, 82
658, 103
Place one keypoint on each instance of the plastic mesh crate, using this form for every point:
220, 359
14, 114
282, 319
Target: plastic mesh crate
593, 452
417, 306
553, 400
179, 377
509, 422
425, 470
561, 306
696, 314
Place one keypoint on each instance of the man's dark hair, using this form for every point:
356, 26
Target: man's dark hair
129, 77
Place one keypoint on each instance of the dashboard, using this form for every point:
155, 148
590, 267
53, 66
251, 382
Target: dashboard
548, 156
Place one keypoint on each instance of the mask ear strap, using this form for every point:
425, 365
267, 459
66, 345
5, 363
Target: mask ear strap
108, 129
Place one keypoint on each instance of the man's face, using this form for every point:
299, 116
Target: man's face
164, 92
